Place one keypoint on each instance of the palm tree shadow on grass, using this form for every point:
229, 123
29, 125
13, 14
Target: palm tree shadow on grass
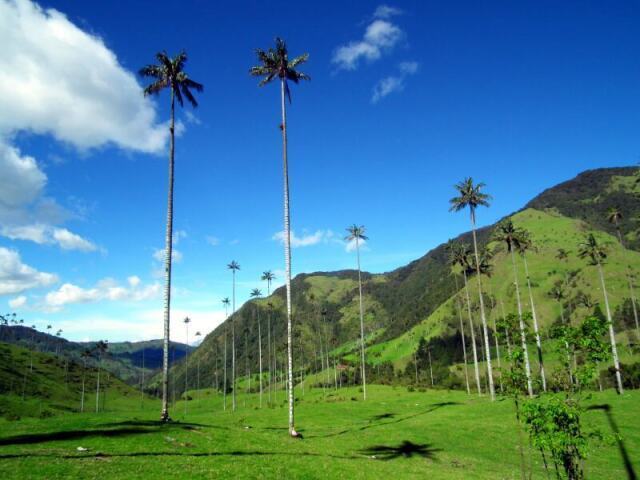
628, 466
406, 449
128, 428
377, 418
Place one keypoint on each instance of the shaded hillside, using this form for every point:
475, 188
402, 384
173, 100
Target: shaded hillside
38, 384
123, 359
415, 301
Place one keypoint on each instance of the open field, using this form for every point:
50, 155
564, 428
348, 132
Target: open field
394, 434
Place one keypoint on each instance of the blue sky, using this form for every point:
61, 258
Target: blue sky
406, 99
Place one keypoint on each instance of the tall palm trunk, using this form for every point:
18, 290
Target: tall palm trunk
464, 346
84, 374
287, 256
186, 371
482, 314
164, 416
224, 386
629, 281
535, 324
98, 386
233, 346
260, 353
523, 337
269, 356
612, 335
364, 376
473, 335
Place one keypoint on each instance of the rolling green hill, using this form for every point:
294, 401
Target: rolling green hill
417, 301
37, 384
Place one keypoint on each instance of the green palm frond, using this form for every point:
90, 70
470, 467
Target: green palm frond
169, 73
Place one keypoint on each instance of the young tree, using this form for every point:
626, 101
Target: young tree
86, 354
506, 232
471, 195
596, 254
169, 73
275, 64
234, 267
357, 235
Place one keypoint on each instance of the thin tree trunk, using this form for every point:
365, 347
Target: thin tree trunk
495, 335
482, 314
363, 374
98, 388
464, 346
233, 346
186, 371
535, 324
260, 353
269, 354
473, 335
430, 366
164, 416
84, 374
287, 257
523, 337
612, 335
224, 387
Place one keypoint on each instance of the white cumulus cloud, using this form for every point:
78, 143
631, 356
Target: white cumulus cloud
379, 36
18, 302
16, 277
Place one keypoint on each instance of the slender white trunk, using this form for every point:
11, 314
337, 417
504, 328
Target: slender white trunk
482, 314
84, 374
287, 257
473, 335
464, 343
260, 353
523, 337
164, 416
98, 387
362, 347
186, 371
430, 366
224, 380
612, 335
233, 345
535, 324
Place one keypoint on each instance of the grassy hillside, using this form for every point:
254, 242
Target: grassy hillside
418, 300
123, 359
36, 384
394, 434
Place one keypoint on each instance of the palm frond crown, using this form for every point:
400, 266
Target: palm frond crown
169, 73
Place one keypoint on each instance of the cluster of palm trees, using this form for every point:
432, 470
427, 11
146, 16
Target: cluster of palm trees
469, 261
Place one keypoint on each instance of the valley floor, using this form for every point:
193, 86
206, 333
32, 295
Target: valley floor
394, 434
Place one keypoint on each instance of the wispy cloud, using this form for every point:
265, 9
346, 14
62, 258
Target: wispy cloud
386, 11
393, 83
380, 36
307, 239
16, 277
213, 241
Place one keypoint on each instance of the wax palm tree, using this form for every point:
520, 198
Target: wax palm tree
357, 235
596, 254
458, 256
558, 293
269, 277
225, 302
506, 232
525, 244
614, 215
256, 293
464, 343
186, 322
197, 335
169, 73
234, 267
275, 63
86, 354
471, 195
100, 349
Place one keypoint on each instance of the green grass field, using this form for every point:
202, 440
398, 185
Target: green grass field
394, 434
